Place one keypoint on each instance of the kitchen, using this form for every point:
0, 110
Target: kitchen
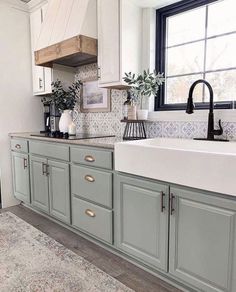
118, 145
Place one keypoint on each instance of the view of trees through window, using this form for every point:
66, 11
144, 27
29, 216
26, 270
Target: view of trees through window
201, 43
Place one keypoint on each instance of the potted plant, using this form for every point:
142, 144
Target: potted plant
65, 101
142, 87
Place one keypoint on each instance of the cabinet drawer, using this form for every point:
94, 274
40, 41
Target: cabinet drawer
19, 145
98, 158
49, 150
92, 219
92, 184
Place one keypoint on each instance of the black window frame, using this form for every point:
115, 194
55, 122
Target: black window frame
161, 15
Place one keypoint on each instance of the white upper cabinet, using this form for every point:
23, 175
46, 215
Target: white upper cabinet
42, 76
119, 41
108, 41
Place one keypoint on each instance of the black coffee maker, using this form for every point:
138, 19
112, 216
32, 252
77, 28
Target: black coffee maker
51, 118
54, 118
46, 117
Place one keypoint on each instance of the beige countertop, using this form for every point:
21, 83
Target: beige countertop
107, 142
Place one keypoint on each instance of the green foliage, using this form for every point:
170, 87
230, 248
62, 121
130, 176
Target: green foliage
144, 85
65, 100
46, 101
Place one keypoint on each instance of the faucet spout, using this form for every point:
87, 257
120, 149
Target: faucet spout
190, 109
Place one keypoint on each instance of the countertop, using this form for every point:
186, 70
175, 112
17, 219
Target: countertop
107, 142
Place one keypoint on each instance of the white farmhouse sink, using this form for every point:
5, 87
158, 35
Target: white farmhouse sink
206, 165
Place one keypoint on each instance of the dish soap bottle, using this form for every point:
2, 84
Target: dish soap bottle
126, 105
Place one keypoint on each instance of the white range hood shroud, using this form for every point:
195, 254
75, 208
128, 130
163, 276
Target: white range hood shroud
68, 34
65, 19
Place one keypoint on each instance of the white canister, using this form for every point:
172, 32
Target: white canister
72, 129
132, 112
142, 114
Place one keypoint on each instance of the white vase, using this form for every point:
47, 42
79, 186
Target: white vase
142, 114
65, 121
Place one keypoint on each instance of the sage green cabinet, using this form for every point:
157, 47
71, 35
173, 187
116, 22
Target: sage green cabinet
50, 187
39, 183
59, 190
21, 181
141, 219
203, 240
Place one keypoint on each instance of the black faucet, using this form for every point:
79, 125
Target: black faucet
190, 109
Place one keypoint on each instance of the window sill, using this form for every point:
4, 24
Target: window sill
226, 115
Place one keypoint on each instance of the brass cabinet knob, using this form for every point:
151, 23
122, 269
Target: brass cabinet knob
89, 158
89, 178
90, 213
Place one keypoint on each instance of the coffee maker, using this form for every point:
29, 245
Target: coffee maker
51, 118
54, 118
46, 117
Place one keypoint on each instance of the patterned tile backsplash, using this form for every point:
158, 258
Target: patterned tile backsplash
109, 123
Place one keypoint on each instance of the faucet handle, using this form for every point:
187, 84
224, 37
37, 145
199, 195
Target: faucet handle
220, 126
220, 130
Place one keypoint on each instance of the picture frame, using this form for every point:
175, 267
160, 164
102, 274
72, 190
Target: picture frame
93, 98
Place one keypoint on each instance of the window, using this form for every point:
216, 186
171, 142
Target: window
196, 40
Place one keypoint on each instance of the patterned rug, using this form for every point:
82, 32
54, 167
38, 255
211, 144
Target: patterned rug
32, 261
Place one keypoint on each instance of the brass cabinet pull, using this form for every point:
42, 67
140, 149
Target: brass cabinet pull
172, 209
47, 170
162, 202
90, 213
89, 178
89, 158
25, 163
18, 146
44, 168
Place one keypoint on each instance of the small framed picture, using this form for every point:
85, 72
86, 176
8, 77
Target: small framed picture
93, 98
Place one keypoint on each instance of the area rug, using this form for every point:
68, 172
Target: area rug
32, 261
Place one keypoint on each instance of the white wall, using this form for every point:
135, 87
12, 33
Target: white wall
19, 110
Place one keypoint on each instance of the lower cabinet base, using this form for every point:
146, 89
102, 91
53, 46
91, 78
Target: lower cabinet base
111, 248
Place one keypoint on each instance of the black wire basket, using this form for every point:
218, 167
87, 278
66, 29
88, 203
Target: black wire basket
134, 130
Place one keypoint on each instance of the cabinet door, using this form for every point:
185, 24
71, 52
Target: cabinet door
46, 70
108, 41
36, 19
202, 240
141, 219
39, 183
59, 190
20, 169
42, 76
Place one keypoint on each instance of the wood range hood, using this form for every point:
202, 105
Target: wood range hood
73, 52
68, 34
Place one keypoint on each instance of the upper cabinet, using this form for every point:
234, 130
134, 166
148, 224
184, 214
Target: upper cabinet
119, 41
42, 76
